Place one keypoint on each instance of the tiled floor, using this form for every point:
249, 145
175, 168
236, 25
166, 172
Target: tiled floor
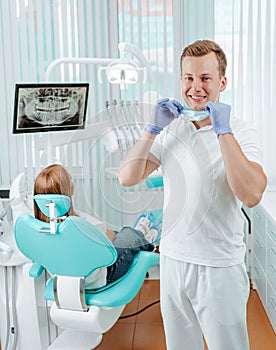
145, 331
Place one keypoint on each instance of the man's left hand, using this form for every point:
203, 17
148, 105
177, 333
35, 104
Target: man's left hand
220, 117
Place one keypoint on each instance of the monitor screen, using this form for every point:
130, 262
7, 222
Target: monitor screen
49, 107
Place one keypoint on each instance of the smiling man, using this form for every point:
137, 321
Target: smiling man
211, 165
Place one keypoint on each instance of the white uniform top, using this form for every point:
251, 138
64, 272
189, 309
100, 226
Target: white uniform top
202, 219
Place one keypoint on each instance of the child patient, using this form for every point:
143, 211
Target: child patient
55, 179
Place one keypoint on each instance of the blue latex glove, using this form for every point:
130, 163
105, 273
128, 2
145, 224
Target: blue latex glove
220, 117
163, 113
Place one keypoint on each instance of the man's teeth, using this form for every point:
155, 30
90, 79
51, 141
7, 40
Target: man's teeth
197, 97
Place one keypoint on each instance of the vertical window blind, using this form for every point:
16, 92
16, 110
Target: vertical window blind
246, 30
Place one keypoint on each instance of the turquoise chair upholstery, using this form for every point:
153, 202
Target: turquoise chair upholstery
77, 249
62, 203
154, 182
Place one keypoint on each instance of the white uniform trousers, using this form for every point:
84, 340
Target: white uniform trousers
200, 300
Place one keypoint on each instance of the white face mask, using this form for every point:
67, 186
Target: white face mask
193, 115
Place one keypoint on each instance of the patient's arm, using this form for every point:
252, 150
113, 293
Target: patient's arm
110, 234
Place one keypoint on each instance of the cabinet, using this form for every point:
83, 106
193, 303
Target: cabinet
263, 269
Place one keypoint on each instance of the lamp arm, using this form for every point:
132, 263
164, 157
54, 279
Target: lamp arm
84, 60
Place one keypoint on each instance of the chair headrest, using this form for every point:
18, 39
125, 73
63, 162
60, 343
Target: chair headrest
62, 203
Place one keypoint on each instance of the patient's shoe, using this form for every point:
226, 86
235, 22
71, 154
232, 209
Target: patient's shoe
145, 225
156, 226
152, 235
142, 224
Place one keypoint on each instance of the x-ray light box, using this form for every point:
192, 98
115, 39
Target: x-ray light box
49, 107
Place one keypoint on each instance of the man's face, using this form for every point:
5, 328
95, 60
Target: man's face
200, 80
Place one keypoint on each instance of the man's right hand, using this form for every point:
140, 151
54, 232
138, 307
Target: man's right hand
165, 111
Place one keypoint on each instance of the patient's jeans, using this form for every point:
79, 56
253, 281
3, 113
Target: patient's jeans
128, 242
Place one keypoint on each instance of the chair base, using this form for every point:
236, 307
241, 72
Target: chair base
97, 320
76, 340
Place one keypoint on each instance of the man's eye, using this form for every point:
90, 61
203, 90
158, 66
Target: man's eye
188, 78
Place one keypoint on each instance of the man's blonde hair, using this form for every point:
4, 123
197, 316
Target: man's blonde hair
202, 48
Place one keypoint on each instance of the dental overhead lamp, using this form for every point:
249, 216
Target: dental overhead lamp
138, 54
127, 71
122, 73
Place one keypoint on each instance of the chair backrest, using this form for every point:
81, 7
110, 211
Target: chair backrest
77, 249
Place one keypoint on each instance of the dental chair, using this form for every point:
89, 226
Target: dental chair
70, 251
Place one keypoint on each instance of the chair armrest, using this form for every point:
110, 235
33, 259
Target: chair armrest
36, 270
